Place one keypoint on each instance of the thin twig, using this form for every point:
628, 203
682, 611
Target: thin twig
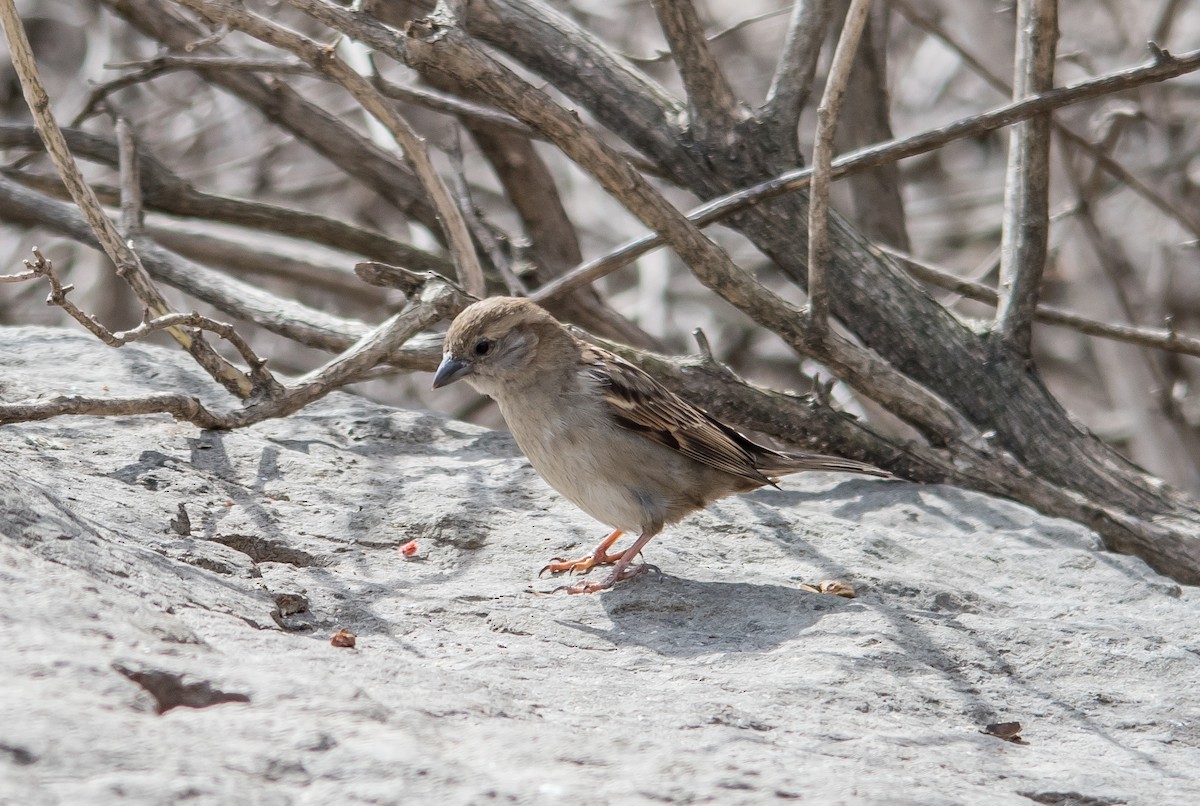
1027, 183
793, 77
245, 257
22, 277
712, 105
479, 228
180, 406
164, 191
128, 265
818, 202
450, 105
172, 61
1164, 66
264, 383
1167, 339
438, 300
1103, 159
660, 56
132, 211
325, 60
166, 63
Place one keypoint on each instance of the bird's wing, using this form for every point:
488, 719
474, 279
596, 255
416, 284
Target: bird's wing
643, 405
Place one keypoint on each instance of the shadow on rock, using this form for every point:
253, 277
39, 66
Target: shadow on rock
686, 617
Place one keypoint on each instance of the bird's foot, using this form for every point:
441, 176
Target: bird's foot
558, 565
584, 586
599, 556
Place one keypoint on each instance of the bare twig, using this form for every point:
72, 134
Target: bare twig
172, 61
246, 257
712, 106
450, 105
1163, 67
264, 384
479, 228
323, 59
793, 77
22, 277
180, 406
437, 301
1027, 183
666, 55
1160, 338
166, 63
128, 265
818, 200
132, 212
1106, 162
164, 191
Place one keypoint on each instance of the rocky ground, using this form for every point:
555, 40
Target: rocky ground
152, 658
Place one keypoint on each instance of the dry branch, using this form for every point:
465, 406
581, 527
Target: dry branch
165, 192
437, 301
794, 72
279, 104
712, 106
1159, 338
321, 58
818, 200
128, 265
1105, 161
1027, 183
1163, 67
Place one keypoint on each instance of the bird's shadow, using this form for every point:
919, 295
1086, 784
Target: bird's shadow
684, 617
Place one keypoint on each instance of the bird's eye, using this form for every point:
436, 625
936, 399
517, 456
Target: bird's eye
484, 346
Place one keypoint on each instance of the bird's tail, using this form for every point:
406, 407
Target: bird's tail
779, 463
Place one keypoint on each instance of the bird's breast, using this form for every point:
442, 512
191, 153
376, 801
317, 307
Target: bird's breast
578, 460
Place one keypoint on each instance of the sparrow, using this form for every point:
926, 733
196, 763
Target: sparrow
612, 440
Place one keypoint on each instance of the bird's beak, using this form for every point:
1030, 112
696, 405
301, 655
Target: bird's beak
451, 370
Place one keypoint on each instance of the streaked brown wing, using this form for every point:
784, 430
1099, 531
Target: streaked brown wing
641, 404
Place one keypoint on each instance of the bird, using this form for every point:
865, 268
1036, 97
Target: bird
607, 436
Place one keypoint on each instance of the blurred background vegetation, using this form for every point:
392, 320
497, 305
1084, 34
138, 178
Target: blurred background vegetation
1114, 256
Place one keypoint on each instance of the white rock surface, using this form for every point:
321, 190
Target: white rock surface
719, 682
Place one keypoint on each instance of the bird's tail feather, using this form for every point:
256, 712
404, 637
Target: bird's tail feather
778, 463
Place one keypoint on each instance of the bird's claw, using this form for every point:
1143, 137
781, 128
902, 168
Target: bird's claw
558, 565
584, 586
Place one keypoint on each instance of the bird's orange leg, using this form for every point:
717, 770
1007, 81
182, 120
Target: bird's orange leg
621, 570
599, 556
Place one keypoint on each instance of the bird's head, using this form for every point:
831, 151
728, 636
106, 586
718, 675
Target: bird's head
493, 342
